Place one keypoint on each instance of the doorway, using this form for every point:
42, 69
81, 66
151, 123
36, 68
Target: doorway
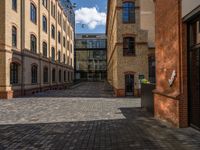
194, 72
129, 85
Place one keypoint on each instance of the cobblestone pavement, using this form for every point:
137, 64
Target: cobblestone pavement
70, 122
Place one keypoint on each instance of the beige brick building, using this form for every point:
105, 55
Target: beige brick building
127, 47
36, 47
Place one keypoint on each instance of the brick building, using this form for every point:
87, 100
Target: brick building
36, 47
127, 50
177, 61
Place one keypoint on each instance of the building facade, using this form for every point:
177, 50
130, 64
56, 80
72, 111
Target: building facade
127, 56
36, 47
147, 15
90, 57
177, 58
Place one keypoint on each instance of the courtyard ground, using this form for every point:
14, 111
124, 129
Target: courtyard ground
86, 117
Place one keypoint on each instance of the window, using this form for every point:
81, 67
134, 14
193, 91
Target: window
45, 75
33, 44
53, 54
53, 75
44, 3
34, 74
68, 76
72, 76
128, 46
59, 55
64, 44
128, 12
44, 24
53, 10
59, 37
53, 31
44, 47
14, 73
33, 14
64, 58
59, 18
60, 76
14, 36
64, 25
14, 5
64, 76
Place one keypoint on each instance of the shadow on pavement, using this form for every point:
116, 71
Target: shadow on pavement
138, 131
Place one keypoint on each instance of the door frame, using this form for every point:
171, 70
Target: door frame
133, 74
189, 50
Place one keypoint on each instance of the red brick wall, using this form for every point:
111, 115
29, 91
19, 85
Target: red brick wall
170, 102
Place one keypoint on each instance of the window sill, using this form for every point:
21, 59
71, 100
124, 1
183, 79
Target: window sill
129, 55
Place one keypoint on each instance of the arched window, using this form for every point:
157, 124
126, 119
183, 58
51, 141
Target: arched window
33, 43
14, 5
60, 78
128, 12
53, 75
14, 36
59, 37
53, 31
64, 76
64, 59
64, 41
44, 47
59, 56
45, 75
128, 46
53, 54
33, 13
44, 23
14, 73
34, 74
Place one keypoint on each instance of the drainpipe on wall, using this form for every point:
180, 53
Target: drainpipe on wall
22, 46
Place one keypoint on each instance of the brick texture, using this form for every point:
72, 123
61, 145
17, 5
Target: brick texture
171, 101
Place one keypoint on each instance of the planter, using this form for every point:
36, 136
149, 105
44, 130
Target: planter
147, 97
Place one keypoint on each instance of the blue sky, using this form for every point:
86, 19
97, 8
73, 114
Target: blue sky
90, 16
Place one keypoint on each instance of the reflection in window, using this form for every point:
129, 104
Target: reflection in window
128, 12
33, 13
14, 73
128, 46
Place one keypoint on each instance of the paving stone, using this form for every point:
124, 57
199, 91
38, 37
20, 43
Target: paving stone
86, 117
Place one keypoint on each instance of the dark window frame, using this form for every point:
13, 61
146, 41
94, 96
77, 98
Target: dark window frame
44, 23
59, 37
129, 46
128, 12
33, 13
53, 54
60, 75
45, 75
14, 73
14, 5
14, 36
44, 49
53, 31
34, 74
59, 56
53, 75
33, 43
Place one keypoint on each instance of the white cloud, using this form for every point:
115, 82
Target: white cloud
90, 17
